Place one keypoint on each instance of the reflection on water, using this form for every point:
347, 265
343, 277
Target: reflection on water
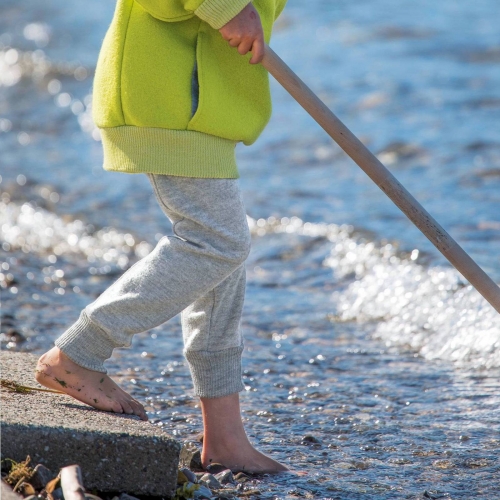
370, 363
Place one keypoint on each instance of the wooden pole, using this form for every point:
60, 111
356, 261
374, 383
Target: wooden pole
382, 177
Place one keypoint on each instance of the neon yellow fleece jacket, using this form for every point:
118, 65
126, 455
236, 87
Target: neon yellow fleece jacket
143, 98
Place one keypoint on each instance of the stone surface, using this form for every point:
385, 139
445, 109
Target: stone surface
225, 477
203, 492
215, 468
190, 456
41, 477
190, 475
210, 481
115, 452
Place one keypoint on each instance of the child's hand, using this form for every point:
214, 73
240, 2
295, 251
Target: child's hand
245, 32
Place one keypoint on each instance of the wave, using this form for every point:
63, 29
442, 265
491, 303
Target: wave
429, 309
402, 302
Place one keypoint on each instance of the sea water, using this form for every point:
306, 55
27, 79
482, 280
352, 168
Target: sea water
371, 365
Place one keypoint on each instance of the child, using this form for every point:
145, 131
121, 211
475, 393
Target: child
172, 98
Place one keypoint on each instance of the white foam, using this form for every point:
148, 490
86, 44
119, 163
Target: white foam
428, 309
33, 229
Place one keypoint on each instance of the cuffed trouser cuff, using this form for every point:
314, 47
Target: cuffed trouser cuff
86, 344
217, 373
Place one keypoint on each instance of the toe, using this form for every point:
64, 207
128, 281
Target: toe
139, 410
127, 407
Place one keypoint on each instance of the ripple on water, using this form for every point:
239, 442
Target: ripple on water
428, 309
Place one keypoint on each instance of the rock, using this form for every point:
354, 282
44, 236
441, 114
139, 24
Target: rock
215, 468
203, 492
226, 495
190, 456
181, 478
241, 477
308, 438
41, 477
210, 481
190, 475
225, 477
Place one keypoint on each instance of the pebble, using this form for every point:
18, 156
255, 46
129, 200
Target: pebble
308, 438
190, 475
241, 477
190, 456
225, 477
41, 476
210, 481
215, 468
203, 492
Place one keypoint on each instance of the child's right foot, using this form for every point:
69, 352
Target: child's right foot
56, 371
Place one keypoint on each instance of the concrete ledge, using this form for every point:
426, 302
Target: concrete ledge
115, 452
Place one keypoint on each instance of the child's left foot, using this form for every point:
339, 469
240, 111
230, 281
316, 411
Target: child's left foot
56, 371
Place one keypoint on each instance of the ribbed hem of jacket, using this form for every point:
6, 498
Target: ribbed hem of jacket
219, 12
216, 373
184, 153
86, 344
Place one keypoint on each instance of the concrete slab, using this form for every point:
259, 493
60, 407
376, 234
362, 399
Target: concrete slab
115, 452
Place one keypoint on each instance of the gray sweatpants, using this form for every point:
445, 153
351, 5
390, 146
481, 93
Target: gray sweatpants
200, 272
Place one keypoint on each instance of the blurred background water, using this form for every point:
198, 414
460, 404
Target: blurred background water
370, 363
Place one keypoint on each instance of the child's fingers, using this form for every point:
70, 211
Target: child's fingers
257, 51
245, 46
234, 42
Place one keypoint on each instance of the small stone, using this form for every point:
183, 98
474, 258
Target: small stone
202, 492
41, 476
210, 481
181, 477
310, 439
225, 477
215, 468
241, 477
190, 475
190, 456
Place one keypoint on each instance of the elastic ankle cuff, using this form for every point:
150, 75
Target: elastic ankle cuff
86, 344
216, 374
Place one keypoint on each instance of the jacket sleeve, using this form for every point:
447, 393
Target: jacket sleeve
215, 12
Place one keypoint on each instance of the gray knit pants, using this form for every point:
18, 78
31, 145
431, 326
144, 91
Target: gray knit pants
199, 271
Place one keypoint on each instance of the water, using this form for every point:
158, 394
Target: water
370, 364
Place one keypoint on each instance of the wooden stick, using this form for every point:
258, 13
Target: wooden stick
72, 483
382, 177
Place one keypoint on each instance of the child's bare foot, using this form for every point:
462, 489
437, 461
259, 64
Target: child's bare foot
225, 441
56, 371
